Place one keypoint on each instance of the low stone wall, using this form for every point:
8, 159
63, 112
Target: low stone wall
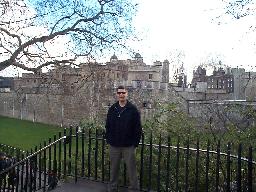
91, 102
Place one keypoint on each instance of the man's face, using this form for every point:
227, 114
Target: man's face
122, 95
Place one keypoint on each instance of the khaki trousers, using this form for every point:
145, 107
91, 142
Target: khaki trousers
128, 154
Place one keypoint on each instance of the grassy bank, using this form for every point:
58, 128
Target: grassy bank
24, 134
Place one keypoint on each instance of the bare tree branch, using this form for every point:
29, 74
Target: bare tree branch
85, 32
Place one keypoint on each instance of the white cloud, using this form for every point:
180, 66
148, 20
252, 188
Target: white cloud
191, 26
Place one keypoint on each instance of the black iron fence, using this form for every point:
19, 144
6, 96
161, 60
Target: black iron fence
161, 167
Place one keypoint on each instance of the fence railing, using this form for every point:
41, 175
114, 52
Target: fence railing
28, 172
161, 166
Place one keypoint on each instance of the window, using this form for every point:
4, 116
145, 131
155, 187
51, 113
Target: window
150, 76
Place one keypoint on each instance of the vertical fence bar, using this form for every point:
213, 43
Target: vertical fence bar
70, 150
239, 165
59, 156
249, 176
96, 155
217, 167
44, 166
167, 181
22, 173
17, 174
141, 161
55, 169
207, 166
35, 170
65, 155
150, 162
177, 164
228, 167
186, 169
89, 154
103, 158
40, 168
83, 152
50, 156
159, 164
55, 156
27, 174
197, 166
76, 155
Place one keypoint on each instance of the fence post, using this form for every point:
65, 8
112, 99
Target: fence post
250, 169
65, 155
44, 167
186, 169
40, 167
197, 162
217, 166
150, 161
70, 150
89, 154
54, 157
103, 158
83, 152
50, 156
141, 161
35, 170
59, 157
96, 155
159, 163
239, 173
207, 166
76, 155
177, 164
228, 166
167, 181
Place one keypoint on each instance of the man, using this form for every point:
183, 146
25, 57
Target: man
123, 132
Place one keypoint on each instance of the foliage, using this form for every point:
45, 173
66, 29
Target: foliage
170, 120
91, 124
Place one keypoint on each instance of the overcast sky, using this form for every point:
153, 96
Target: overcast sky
194, 28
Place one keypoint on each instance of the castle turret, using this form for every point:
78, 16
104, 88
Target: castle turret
165, 71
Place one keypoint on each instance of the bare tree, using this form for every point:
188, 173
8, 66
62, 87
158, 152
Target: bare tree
176, 58
43, 33
239, 8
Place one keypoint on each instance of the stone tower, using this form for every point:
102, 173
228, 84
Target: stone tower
165, 71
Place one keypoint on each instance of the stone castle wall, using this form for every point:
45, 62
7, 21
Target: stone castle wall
92, 101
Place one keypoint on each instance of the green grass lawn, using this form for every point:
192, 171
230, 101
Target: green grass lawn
25, 134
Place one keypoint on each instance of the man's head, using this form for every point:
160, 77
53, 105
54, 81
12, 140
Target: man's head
121, 93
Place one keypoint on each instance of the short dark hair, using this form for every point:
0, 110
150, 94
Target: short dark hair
120, 87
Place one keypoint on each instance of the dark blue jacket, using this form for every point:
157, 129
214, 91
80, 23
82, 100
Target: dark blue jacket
123, 128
